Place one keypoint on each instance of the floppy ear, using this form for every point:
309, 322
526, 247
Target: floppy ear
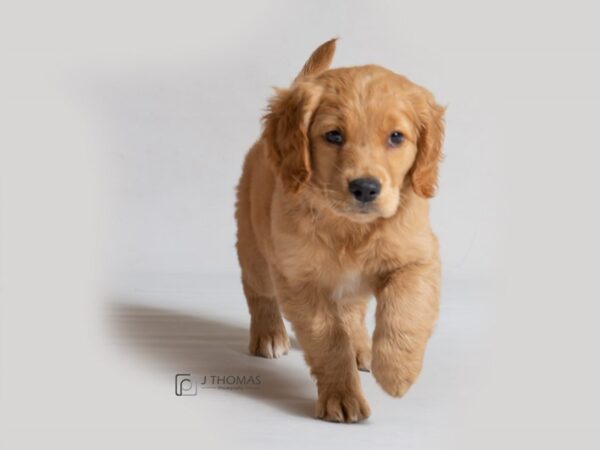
288, 119
286, 133
424, 173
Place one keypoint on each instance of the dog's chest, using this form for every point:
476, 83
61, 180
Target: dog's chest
351, 286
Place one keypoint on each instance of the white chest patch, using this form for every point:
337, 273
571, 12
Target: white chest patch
349, 285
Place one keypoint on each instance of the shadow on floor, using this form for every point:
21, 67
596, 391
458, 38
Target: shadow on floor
202, 346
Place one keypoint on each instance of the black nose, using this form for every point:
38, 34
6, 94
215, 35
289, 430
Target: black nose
365, 189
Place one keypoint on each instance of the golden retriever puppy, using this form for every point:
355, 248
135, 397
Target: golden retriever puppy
333, 208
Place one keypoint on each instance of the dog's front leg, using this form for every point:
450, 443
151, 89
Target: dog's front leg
327, 349
407, 308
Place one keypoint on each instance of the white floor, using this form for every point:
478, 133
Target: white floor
81, 370
161, 326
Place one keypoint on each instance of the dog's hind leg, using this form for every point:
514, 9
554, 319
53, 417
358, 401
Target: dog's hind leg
268, 337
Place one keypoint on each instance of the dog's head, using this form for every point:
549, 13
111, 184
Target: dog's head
354, 138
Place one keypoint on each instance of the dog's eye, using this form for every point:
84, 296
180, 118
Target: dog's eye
395, 139
334, 137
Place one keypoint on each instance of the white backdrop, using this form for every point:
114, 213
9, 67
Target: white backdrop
178, 121
123, 126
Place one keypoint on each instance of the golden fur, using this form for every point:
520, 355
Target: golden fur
311, 251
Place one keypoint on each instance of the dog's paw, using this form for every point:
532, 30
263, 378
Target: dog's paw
363, 359
270, 345
340, 406
395, 372
394, 384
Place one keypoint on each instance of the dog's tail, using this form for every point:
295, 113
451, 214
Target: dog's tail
319, 61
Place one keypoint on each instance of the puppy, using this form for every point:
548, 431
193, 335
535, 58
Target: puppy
332, 208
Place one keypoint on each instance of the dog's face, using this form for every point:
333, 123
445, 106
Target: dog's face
352, 139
